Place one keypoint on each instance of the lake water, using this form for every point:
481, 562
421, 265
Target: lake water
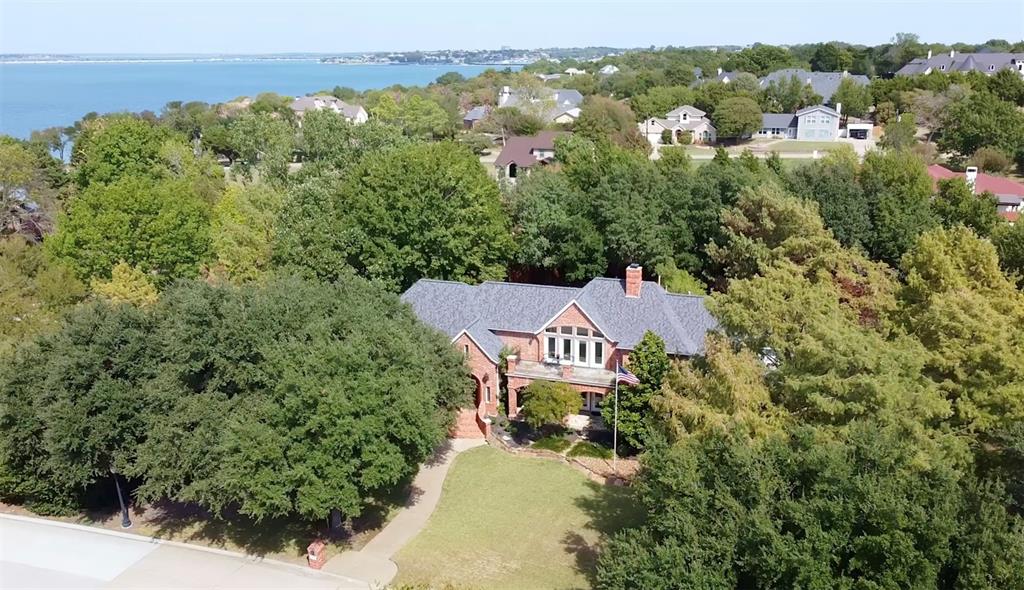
40, 95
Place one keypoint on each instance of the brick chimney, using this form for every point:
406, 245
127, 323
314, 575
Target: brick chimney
634, 280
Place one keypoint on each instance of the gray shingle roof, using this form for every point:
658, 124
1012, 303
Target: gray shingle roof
961, 62
817, 107
823, 83
692, 110
320, 101
778, 120
681, 320
477, 113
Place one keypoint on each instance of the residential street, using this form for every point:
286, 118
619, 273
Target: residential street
37, 553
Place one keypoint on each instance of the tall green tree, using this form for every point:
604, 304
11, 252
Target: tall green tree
737, 117
551, 230
831, 57
34, 290
810, 510
243, 227
981, 120
161, 227
649, 362
421, 210
111, 148
956, 204
855, 98
293, 398
832, 183
604, 119
957, 302
899, 192
73, 411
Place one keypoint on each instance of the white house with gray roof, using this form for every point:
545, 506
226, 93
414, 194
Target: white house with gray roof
685, 121
553, 105
353, 113
573, 335
986, 63
815, 123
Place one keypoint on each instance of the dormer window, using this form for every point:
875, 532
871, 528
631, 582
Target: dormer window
991, 68
942, 67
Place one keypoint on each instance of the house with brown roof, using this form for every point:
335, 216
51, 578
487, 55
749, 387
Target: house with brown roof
572, 335
1009, 194
523, 152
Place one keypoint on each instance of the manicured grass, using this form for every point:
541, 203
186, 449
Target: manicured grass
552, 443
790, 145
588, 449
514, 522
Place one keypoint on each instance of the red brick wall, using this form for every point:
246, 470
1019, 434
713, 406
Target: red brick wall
485, 372
528, 345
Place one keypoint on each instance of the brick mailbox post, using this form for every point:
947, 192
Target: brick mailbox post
316, 553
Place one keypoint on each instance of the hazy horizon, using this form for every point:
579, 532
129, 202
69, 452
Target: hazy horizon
262, 27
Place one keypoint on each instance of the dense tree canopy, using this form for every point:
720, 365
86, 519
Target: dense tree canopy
161, 227
290, 398
421, 210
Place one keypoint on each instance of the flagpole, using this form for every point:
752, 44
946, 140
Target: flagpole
615, 424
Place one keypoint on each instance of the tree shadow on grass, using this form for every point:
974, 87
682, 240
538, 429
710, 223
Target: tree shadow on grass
189, 522
609, 509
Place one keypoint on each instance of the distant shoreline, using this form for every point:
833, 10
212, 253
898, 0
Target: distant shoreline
244, 60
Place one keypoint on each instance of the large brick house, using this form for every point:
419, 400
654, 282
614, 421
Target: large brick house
568, 334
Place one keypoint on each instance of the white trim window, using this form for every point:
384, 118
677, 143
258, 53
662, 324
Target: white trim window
584, 347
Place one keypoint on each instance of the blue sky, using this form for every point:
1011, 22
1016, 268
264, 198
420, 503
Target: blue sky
266, 26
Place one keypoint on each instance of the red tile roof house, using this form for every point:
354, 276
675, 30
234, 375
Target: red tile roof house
1009, 194
575, 335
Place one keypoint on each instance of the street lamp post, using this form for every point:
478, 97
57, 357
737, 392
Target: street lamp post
126, 522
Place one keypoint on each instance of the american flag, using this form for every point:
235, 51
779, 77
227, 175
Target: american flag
624, 376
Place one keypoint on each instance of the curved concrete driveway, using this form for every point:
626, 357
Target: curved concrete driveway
373, 562
39, 553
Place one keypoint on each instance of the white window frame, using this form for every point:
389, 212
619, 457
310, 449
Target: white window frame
574, 339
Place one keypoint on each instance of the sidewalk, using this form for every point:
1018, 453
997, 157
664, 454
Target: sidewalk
39, 553
373, 561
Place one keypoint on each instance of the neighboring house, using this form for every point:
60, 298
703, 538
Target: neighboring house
548, 77
1009, 194
680, 121
816, 123
824, 84
608, 70
353, 113
720, 76
553, 105
778, 125
566, 334
522, 152
474, 116
574, 72
988, 63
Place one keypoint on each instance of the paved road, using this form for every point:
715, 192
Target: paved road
373, 562
37, 553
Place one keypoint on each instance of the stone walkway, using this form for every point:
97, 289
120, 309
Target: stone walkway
373, 562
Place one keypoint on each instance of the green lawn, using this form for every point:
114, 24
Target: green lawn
790, 145
514, 522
